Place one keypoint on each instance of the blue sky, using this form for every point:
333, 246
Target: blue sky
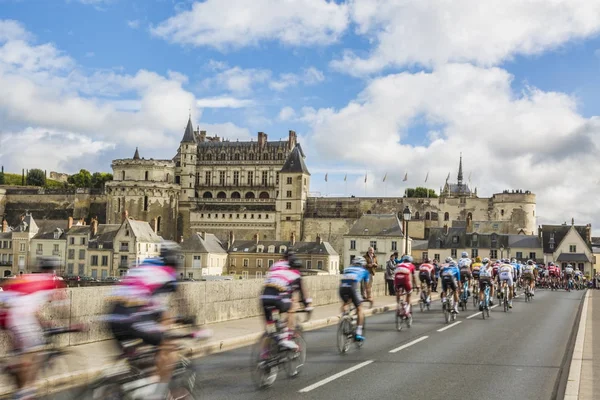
372, 87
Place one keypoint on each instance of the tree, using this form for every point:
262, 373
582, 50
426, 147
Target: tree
420, 192
100, 178
36, 177
82, 179
2, 176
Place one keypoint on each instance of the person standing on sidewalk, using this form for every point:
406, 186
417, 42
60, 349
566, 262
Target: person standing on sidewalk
389, 273
371, 259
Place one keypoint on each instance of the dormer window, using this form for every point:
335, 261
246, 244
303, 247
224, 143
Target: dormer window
282, 249
454, 239
260, 248
271, 249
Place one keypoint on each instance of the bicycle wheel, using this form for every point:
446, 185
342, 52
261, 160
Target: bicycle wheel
398, 321
296, 359
183, 386
446, 313
264, 362
104, 389
359, 343
343, 334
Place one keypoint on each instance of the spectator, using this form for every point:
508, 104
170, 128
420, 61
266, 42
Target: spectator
389, 273
371, 267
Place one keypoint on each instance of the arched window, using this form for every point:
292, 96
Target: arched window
427, 216
221, 195
207, 195
470, 216
502, 213
158, 223
446, 217
222, 157
123, 175
250, 195
236, 156
209, 157
7, 272
251, 156
168, 177
146, 175
265, 156
417, 215
236, 195
280, 156
263, 195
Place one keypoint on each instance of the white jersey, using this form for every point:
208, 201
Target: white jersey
569, 271
464, 263
485, 270
528, 269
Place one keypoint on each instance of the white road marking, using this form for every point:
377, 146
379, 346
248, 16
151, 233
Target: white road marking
494, 306
572, 389
409, 344
334, 377
449, 326
474, 315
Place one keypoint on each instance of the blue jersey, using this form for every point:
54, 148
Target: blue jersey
451, 270
517, 267
353, 275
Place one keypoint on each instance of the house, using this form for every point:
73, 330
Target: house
133, 243
568, 244
21, 237
50, 241
253, 258
100, 250
419, 251
383, 232
78, 236
203, 255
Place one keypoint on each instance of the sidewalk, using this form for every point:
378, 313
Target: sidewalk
87, 361
586, 356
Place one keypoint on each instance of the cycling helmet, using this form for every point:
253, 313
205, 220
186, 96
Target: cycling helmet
360, 260
478, 259
452, 262
407, 258
530, 262
171, 255
293, 262
569, 266
48, 263
427, 261
513, 261
486, 260
464, 254
448, 260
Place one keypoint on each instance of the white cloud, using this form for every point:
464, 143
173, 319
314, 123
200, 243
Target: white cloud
223, 102
310, 76
12, 30
286, 114
483, 32
133, 24
534, 140
247, 23
238, 80
215, 65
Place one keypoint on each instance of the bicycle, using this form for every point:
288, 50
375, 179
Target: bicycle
486, 301
49, 356
401, 315
505, 296
135, 378
475, 293
268, 355
463, 300
528, 294
448, 306
424, 300
346, 333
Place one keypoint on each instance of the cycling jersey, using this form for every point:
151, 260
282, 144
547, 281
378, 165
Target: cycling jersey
425, 272
464, 263
485, 271
506, 273
528, 269
350, 289
403, 276
568, 271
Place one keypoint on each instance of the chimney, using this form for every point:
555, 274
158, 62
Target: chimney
319, 239
124, 215
154, 224
588, 233
540, 231
256, 236
262, 139
292, 140
70, 223
4, 226
445, 229
202, 136
94, 227
293, 238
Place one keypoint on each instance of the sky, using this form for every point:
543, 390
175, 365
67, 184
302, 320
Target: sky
372, 88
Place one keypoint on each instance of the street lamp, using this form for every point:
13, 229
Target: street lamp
406, 217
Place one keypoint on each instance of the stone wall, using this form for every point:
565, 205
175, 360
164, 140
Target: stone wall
331, 230
210, 302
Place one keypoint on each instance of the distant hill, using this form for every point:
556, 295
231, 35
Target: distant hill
15, 180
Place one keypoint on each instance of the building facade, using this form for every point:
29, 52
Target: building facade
569, 244
204, 255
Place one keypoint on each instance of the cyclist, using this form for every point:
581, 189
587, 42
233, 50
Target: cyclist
426, 275
352, 285
475, 270
568, 275
554, 272
495, 279
139, 309
485, 278
450, 279
528, 275
21, 300
507, 276
282, 281
404, 277
465, 271
516, 275
579, 278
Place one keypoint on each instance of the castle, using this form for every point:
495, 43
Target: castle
258, 187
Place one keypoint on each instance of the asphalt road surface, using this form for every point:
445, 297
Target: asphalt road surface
518, 354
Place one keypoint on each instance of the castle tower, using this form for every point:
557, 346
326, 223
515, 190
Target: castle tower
294, 181
144, 189
185, 171
460, 171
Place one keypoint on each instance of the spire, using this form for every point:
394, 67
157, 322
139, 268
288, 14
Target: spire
295, 161
136, 156
188, 136
460, 172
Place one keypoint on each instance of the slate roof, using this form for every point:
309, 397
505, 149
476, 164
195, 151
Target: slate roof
559, 232
28, 224
143, 232
455, 188
79, 230
295, 161
299, 247
188, 135
136, 155
5, 235
105, 236
47, 227
377, 225
195, 243
438, 239
524, 241
420, 244
596, 240
574, 257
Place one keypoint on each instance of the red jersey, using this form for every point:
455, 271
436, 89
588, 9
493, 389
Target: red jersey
554, 271
426, 268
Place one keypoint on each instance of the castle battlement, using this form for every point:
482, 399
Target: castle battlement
514, 196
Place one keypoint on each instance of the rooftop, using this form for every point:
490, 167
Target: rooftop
377, 225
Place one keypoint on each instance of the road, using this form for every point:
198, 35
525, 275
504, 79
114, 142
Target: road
518, 354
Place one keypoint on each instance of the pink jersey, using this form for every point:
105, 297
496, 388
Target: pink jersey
426, 268
141, 282
404, 269
283, 278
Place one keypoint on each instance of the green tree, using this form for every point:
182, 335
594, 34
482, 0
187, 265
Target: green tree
2, 180
36, 177
82, 179
100, 178
420, 192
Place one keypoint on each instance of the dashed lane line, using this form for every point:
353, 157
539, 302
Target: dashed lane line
334, 377
408, 344
449, 326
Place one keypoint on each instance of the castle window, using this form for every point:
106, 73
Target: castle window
417, 215
502, 213
251, 156
266, 157
251, 216
251, 178
207, 195
277, 178
221, 195
236, 156
288, 205
207, 177
427, 216
177, 180
280, 156
222, 157
119, 204
289, 181
222, 178
288, 193
259, 216
264, 178
250, 195
146, 175
236, 178
446, 217
168, 178
263, 195
470, 216
123, 175
236, 195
